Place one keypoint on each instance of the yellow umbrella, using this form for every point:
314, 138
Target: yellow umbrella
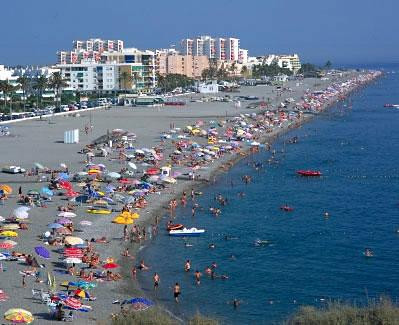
7, 189
128, 214
8, 233
94, 171
71, 240
121, 220
18, 315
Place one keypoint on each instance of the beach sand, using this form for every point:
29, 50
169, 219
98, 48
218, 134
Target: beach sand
41, 141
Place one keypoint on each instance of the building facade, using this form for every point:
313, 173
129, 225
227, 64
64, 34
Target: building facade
191, 66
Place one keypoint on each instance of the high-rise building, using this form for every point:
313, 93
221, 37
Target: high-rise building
220, 48
186, 46
170, 62
232, 46
242, 56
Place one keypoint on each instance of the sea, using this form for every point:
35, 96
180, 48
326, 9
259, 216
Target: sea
306, 257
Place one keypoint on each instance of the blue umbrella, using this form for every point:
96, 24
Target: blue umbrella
63, 176
42, 252
55, 225
82, 199
47, 191
108, 199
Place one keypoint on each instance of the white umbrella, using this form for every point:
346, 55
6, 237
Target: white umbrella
114, 175
139, 151
72, 260
20, 214
23, 208
2, 219
67, 214
63, 165
38, 165
85, 223
132, 165
81, 173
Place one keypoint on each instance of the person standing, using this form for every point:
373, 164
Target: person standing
176, 292
156, 279
187, 266
197, 276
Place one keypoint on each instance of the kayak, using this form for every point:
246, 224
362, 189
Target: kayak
98, 211
175, 227
186, 232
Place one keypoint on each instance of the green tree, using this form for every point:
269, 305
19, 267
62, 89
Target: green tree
124, 79
170, 82
57, 83
24, 83
308, 67
40, 86
7, 90
328, 65
245, 72
271, 70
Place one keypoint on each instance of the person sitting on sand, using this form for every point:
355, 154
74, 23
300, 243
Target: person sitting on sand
82, 273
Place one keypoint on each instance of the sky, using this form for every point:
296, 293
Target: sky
342, 31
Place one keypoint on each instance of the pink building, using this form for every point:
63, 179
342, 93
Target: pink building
188, 65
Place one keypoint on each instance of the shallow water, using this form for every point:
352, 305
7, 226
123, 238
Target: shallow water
310, 258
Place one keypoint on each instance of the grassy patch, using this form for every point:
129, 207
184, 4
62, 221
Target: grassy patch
375, 313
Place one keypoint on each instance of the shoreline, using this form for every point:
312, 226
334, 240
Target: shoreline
223, 165
49, 151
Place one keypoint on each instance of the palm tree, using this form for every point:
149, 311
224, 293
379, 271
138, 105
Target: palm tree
244, 71
124, 79
40, 85
57, 83
24, 83
233, 68
7, 89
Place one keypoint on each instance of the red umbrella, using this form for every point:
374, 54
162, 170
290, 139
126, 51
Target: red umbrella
125, 181
73, 303
3, 296
73, 252
6, 246
65, 185
110, 266
152, 171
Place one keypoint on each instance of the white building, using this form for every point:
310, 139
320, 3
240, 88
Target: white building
208, 88
5, 73
232, 49
242, 56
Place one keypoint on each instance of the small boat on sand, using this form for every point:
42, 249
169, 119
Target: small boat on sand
309, 172
186, 232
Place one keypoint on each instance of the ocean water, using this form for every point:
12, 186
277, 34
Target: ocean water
310, 259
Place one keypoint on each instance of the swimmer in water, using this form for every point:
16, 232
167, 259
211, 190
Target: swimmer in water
211, 246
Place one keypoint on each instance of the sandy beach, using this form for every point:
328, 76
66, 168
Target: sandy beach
42, 141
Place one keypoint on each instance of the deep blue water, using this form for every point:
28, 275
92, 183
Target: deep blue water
310, 258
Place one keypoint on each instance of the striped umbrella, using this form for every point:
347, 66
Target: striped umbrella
3, 296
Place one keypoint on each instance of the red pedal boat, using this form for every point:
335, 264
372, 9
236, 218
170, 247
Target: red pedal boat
309, 172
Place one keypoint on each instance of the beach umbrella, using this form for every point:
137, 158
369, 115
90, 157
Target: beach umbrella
72, 260
114, 175
110, 188
108, 199
73, 252
81, 294
71, 240
8, 233
19, 315
4, 245
38, 165
85, 223
64, 231
3, 296
110, 266
63, 165
67, 214
42, 252
63, 176
55, 225
169, 180
47, 191
33, 192
7, 189
152, 171
123, 220
64, 221
132, 165
72, 303
82, 173
81, 199
94, 172
2, 219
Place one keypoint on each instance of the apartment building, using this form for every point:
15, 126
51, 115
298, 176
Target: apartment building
186, 46
191, 66
220, 49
